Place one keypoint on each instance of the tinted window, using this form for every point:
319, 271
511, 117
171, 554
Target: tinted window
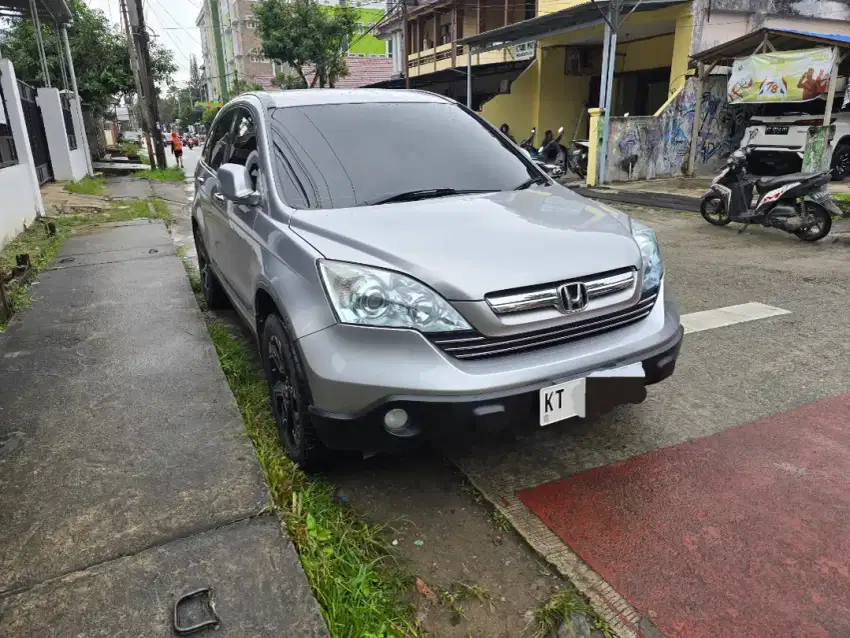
218, 140
340, 155
243, 149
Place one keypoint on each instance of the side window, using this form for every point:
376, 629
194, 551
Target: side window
244, 138
243, 150
218, 141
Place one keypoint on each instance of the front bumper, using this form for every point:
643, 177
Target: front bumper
452, 419
357, 374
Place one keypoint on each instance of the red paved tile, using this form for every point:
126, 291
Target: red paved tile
742, 534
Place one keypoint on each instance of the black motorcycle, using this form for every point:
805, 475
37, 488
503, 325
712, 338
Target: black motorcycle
798, 203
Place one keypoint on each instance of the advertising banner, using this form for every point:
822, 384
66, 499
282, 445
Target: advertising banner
781, 76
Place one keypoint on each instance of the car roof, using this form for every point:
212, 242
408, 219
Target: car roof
313, 97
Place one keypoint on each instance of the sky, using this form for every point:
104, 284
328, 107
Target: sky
173, 22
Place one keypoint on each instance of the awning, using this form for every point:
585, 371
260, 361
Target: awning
781, 40
56, 10
453, 75
581, 16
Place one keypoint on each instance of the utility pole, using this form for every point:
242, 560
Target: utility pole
134, 65
141, 39
404, 43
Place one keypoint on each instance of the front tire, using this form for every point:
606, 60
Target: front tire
713, 210
822, 223
290, 396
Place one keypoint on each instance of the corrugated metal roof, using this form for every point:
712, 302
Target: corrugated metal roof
577, 17
781, 39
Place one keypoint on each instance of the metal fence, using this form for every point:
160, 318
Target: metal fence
8, 152
35, 131
69, 122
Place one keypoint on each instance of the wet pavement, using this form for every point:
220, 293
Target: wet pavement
125, 478
581, 496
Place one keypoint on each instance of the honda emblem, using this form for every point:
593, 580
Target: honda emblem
573, 297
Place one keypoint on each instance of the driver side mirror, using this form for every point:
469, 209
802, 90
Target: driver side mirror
235, 183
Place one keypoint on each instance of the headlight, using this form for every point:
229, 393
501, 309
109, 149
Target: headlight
369, 296
650, 256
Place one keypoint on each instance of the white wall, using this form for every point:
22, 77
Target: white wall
20, 205
68, 165
20, 197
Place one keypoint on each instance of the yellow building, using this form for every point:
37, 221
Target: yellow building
652, 54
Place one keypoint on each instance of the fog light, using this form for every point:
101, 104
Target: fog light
395, 420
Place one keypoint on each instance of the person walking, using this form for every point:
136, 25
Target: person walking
177, 148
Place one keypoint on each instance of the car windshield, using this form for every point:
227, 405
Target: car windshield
342, 155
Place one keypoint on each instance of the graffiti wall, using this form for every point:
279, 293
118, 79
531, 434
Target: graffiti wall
649, 147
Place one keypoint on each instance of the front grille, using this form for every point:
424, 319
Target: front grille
473, 345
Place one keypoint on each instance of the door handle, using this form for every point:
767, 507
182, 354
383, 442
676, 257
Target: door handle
201, 179
219, 196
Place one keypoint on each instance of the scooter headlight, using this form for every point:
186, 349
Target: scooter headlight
650, 255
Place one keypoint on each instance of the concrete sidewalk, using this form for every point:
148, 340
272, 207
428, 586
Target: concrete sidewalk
126, 480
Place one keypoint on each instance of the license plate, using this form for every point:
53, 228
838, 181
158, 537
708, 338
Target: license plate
776, 130
562, 401
819, 196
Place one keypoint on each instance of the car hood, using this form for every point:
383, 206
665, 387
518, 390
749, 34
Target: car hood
469, 245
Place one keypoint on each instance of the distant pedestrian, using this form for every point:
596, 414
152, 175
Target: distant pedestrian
177, 148
504, 128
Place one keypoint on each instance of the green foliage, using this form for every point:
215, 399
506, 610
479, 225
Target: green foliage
209, 114
87, 186
129, 149
241, 86
99, 50
170, 174
288, 81
301, 32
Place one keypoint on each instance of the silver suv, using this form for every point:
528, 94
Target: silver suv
411, 275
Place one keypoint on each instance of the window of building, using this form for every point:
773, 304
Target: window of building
389, 48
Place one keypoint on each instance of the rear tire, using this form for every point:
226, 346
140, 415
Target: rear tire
823, 220
841, 162
713, 210
290, 396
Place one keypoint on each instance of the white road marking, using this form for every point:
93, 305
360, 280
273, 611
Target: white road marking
730, 315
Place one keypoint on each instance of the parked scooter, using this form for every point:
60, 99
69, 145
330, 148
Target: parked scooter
577, 159
552, 169
798, 203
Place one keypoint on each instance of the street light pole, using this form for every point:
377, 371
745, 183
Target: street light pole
147, 125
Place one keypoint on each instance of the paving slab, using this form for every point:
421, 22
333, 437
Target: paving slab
256, 581
120, 432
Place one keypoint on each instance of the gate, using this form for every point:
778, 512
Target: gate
35, 130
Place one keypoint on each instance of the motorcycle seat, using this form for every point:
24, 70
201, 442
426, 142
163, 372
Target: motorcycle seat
764, 184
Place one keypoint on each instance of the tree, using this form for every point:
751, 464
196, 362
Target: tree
288, 81
99, 50
196, 82
301, 33
241, 86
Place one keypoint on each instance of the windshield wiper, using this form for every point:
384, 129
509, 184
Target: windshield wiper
538, 179
423, 193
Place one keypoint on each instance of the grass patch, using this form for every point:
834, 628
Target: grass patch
561, 608
87, 186
348, 563
42, 247
170, 174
